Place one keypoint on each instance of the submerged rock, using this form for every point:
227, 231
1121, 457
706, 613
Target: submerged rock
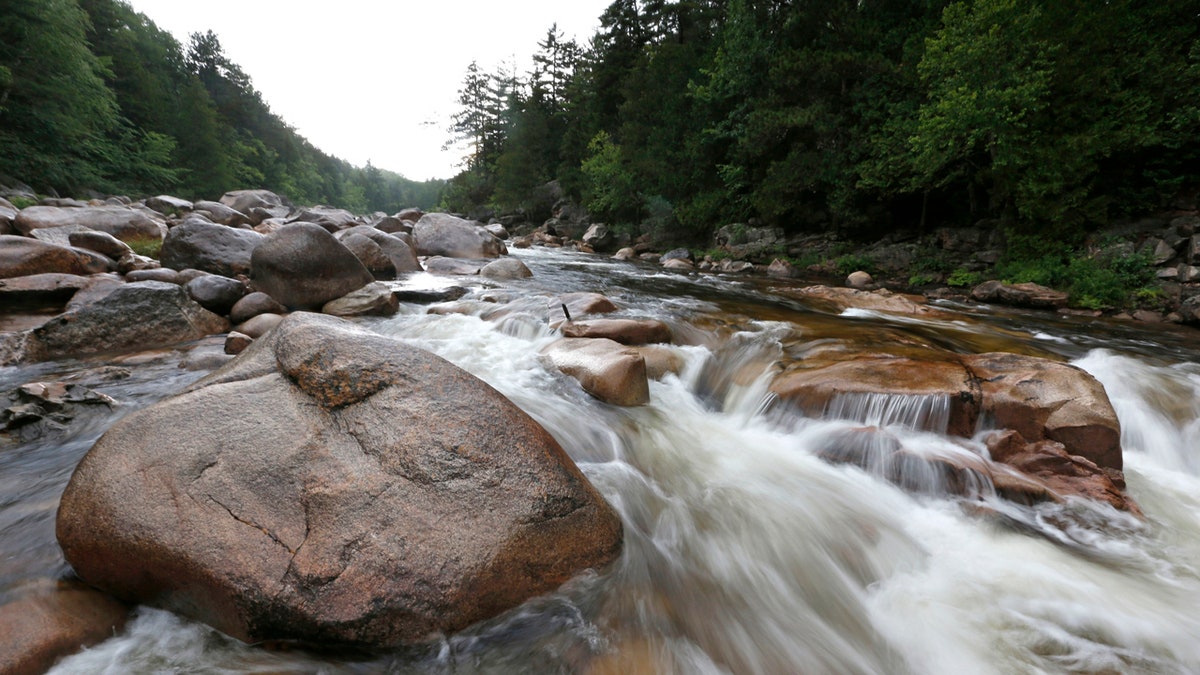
49, 623
334, 487
1053, 405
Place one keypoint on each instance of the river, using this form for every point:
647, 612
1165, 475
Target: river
744, 551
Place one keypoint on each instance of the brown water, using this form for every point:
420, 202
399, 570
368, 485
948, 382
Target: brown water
745, 553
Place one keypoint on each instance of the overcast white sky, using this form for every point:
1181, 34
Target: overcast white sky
361, 79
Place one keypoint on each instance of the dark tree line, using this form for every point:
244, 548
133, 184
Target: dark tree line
94, 96
855, 115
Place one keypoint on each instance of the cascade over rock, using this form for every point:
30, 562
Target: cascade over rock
335, 487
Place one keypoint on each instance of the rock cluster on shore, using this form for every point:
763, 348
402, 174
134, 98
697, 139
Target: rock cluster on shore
251, 243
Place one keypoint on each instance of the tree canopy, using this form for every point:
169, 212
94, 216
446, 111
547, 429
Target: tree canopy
859, 116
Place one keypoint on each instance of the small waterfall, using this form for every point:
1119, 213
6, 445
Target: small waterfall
918, 412
736, 374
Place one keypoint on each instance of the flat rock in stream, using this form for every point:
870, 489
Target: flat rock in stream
139, 315
1019, 295
882, 300
608, 370
335, 487
625, 331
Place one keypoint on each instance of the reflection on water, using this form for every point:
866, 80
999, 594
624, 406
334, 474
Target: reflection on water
746, 550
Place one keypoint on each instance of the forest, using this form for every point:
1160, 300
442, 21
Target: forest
860, 117
1047, 118
95, 98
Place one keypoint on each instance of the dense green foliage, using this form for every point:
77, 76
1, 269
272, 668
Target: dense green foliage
859, 116
94, 96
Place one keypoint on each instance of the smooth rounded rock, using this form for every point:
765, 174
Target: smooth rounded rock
254, 304
370, 255
303, 267
216, 293
859, 280
163, 274
333, 487
259, 325
121, 222
49, 623
216, 249
101, 242
505, 269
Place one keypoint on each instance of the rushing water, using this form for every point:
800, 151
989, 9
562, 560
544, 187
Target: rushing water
745, 552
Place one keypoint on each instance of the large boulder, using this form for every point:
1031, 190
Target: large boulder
303, 267
132, 316
216, 249
23, 256
370, 255
1046, 400
600, 238
126, 224
446, 235
608, 370
334, 487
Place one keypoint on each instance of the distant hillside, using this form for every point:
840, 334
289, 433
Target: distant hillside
94, 96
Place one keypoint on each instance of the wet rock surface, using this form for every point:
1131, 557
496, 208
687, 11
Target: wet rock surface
310, 514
